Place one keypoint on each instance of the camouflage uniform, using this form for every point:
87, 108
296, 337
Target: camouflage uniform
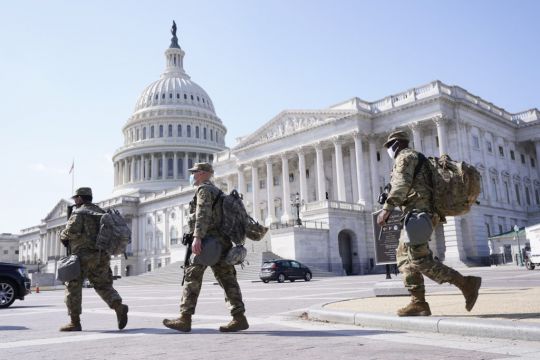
80, 233
203, 220
415, 260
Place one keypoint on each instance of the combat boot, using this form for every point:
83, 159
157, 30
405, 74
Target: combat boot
469, 286
121, 314
417, 307
183, 323
74, 325
239, 322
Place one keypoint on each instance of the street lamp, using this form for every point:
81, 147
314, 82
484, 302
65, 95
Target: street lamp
296, 202
516, 229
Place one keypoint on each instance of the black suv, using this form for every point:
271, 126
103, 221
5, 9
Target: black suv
282, 270
14, 283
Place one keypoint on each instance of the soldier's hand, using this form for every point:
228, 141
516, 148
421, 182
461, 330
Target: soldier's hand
196, 247
383, 216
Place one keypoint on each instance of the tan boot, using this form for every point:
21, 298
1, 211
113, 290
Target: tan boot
121, 314
183, 323
74, 325
469, 286
417, 307
239, 322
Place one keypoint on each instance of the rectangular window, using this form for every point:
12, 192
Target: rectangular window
500, 229
489, 147
180, 165
437, 141
204, 133
5, 252
189, 131
378, 156
211, 135
160, 167
495, 193
518, 197
476, 142
248, 187
501, 151
170, 131
170, 162
512, 155
488, 230
307, 173
197, 132
537, 197
527, 196
152, 132
160, 130
137, 135
179, 130
507, 190
262, 184
276, 180
532, 162
522, 158
291, 177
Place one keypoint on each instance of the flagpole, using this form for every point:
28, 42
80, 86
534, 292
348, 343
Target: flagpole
72, 176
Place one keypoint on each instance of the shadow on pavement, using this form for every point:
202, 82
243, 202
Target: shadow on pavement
2, 328
31, 306
315, 333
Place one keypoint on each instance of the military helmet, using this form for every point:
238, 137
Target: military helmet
236, 255
255, 231
396, 135
203, 166
211, 252
83, 191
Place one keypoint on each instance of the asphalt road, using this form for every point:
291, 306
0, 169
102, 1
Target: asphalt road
29, 329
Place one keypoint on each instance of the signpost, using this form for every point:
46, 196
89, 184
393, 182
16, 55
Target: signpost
516, 229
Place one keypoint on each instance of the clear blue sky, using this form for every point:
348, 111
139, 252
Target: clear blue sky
71, 71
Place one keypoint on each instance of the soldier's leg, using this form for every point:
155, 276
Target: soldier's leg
190, 294
226, 276
100, 274
73, 300
192, 288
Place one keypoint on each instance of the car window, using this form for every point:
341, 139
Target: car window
294, 264
267, 265
285, 264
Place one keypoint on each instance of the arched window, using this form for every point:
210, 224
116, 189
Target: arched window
189, 131
179, 130
197, 132
137, 134
170, 162
211, 135
152, 131
170, 130
160, 130
204, 133
217, 137
185, 96
144, 133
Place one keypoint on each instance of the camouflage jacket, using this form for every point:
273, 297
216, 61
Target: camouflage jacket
203, 217
405, 192
82, 229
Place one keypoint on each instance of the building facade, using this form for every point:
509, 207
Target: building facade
312, 175
9, 248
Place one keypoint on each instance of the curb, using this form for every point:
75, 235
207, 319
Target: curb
501, 329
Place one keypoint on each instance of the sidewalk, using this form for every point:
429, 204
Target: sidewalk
509, 313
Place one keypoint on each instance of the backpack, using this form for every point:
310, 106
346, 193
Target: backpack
114, 234
235, 223
455, 184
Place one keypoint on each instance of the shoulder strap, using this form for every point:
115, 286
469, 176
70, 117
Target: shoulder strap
215, 200
421, 160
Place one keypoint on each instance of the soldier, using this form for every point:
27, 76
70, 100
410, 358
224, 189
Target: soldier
204, 221
414, 195
80, 237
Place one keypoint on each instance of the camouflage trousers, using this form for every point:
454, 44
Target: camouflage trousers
414, 261
225, 275
95, 267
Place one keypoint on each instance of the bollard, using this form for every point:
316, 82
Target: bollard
37, 288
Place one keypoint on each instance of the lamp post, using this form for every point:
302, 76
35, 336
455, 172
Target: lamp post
516, 229
296, 203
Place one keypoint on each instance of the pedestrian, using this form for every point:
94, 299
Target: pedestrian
79, 237
411, 191
204, 221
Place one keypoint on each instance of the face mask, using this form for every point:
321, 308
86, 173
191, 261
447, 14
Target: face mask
392, 150
192, 179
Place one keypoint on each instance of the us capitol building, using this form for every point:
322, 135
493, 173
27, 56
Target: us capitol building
325, 165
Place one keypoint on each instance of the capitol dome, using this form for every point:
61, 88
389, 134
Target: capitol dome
174, 125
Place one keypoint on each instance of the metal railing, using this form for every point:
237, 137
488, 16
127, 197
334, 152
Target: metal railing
306, 224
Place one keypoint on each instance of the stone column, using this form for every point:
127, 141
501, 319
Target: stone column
340, 176
286, 189
360, 168
302, 174
154, 167
417, 140
271, 216
132, 169
146, 168
241, 180
115, 174
373, 169
229, 183
441, 134
321, 182
164, 167
186, 167
175, 165
255, 190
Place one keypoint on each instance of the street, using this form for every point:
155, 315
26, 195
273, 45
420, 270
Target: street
29, 329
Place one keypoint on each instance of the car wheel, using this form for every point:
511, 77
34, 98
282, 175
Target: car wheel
7, 293
281, 278
265, 281
307, 276
529, 265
